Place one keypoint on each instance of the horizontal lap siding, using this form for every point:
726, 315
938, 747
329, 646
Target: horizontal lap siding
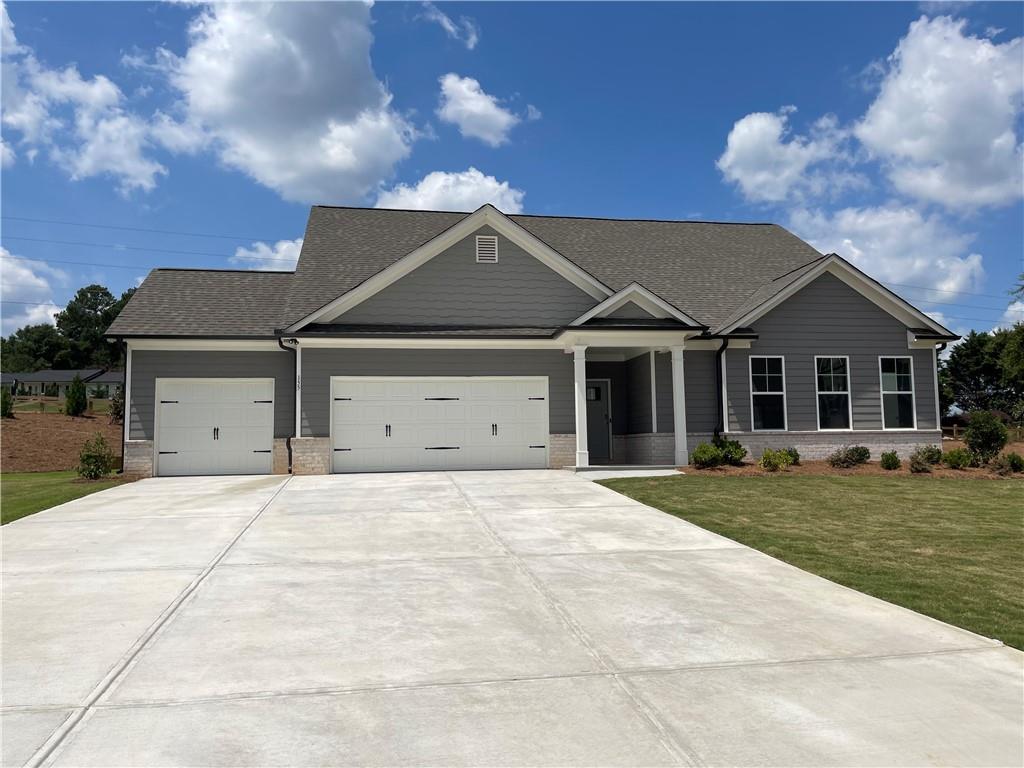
452, 288
147, 366
319, 365
701, 391
828, 318
638, 376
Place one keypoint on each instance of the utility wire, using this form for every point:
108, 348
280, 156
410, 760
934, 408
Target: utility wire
136, 229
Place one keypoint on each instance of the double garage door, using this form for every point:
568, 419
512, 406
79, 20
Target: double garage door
214, 426
403, 423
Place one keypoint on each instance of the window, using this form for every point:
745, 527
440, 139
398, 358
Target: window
832, 382
486, 249
897, 374
768, 393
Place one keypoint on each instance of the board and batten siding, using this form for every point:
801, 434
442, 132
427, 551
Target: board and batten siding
149, 365
319, 365
828, 318
453, 289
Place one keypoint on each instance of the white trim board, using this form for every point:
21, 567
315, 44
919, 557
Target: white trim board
486, 215
784, 393
648, 301
848, 392
866, 286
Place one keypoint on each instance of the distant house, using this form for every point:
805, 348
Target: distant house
105, 384
56, 382
8, 381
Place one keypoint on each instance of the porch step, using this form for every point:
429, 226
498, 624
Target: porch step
616, 467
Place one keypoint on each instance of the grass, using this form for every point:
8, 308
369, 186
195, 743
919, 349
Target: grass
948, 548
25, 493
57, 406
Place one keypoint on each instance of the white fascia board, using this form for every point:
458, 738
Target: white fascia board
611, 337
866, 286
643, 298
426, 343
487, 215
200, 345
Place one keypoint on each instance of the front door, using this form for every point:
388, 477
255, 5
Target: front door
599, 421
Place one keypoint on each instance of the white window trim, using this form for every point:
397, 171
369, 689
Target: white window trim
750, 385
492, 239
848, 393
882, 392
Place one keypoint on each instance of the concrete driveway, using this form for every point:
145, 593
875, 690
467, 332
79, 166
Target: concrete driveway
472, 618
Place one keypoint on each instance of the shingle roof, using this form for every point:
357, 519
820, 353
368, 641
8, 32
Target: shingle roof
706, 269
59, 375
109, 377
205, 302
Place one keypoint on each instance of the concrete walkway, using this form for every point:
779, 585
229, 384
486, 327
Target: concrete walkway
472, 618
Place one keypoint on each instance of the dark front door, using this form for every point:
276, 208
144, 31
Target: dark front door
599, 421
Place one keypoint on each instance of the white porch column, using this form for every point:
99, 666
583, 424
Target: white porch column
579, 366
682, 455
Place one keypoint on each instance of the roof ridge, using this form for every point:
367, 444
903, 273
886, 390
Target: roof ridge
225, 269
549, 216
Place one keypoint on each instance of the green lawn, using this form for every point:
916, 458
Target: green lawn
24, 493
57, 406
948, 548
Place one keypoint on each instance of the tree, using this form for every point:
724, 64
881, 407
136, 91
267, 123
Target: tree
6, 404
83, 322
75, 402
1011, 367
33, 348
1018, 290
117, 406
973, 375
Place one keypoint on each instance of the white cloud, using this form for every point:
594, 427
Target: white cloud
898, 246
80, 122
26, 292
476, 113
282, 255
464, 30
1014, 314
532, 113
769, 164
185, 136
7, 156
946, 115
465, 191
287, 93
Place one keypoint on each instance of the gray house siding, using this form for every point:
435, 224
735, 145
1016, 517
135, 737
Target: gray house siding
828, 318
630, 311
638, 375
147, 366
318, 365
452, 288
701, 397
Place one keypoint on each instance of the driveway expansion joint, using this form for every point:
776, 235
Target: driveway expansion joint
115, 674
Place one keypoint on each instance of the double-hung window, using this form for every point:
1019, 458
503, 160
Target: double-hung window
832, 384
897, 375
768, 393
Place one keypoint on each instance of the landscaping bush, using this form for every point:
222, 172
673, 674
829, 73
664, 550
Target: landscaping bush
96, 459
706, 456
1007, 464
773, 461
840, 458
930, 453
922, 459
859, 453
76, 401
117, 406
958, 458
891, 460
794, 456
6, 405
985, 435
732, 452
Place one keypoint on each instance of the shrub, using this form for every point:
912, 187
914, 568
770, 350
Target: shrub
117, 406
706, 456
96, 459
794, 456
840, 458
891, 460
773, 461
6, 404
985, 435
1007, 464
76, 401
931, 454
919, 465
859, 453
732, 452
958, 458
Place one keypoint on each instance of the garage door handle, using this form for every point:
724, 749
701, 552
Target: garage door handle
387, 430
165, 402
262, 451
164, 453
442, 448
263, 401
538, 446
494, 429
535, 398
216, 433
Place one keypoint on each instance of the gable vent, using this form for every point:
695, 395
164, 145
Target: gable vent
486, 249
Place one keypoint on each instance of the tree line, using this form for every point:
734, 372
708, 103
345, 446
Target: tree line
76, 340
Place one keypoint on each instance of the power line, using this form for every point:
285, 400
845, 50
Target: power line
120, 247
136, 229
136, 267
950, 290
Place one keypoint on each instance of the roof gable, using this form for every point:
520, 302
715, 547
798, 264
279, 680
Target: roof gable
636, 296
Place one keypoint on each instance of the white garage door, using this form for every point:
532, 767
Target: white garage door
439, 423
214, 426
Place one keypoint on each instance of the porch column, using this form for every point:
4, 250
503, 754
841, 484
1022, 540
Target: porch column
682, 456
579, 367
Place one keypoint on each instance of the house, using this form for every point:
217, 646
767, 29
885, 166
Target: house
407, 340
54, 382
9, 381
105, 384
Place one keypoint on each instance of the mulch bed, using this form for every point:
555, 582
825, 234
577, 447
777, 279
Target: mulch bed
45, 442
822, 467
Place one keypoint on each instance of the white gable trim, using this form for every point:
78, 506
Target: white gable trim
866, 286
486, 215
643, 298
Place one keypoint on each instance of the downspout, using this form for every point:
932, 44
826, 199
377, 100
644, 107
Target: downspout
295, 375
720, 427
125, 406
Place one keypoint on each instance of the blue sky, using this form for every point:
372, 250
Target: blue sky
888, 132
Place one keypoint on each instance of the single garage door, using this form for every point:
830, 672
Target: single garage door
439, 423
214, 426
